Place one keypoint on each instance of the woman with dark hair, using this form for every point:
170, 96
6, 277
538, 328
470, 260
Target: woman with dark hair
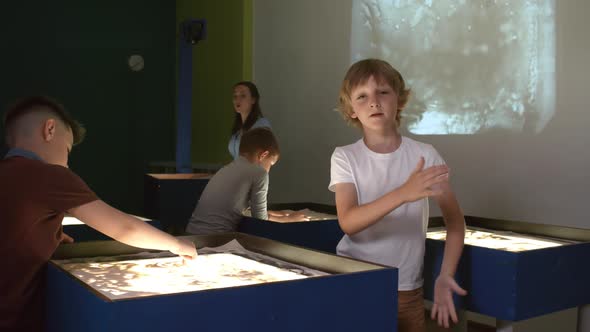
246, 100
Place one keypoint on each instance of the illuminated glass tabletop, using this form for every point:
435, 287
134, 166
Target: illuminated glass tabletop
69, 220
499, 240
168, 275
308, 215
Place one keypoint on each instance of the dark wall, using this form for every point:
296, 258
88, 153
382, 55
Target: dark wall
76, 51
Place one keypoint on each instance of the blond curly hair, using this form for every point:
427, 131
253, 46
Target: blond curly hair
359, 73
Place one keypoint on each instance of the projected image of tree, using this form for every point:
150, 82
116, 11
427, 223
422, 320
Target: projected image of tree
474, 65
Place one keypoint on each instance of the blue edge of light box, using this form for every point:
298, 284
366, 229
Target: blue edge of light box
322, 235
361, 301
506, 285
516, 286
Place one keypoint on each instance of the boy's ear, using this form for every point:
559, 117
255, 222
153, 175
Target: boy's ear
49, 129
263, 154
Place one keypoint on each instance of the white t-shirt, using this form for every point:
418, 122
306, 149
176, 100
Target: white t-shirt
397, 239
238, 185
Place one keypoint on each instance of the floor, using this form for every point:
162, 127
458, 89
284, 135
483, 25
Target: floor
431, 326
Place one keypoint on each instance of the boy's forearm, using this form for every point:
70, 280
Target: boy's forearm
258, 199
123, 227
455, 224
359, 217
261, 214
143, 235
453, 246
258, 206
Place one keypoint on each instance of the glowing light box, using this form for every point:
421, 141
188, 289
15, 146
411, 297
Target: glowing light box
271, 287
512, 270
322, 233
308, 215
67, 221
499, 240
169, 275
81, 232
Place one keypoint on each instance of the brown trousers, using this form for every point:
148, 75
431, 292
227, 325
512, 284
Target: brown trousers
410, 311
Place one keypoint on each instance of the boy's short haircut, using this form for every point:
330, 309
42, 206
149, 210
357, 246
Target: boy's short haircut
42, 103
359, 73
259, 139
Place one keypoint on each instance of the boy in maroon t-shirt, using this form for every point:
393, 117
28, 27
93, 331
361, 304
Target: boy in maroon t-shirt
38, 188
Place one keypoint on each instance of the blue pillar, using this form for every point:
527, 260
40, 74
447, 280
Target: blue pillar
191, 32
183, 115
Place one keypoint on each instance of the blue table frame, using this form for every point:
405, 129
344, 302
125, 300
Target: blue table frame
357, 296
322, 235
509, 286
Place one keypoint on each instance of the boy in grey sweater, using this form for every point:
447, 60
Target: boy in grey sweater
241, 184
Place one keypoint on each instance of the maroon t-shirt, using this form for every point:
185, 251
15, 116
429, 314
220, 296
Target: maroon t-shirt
33, 199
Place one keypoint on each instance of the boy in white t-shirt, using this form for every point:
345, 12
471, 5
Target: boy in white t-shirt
382, 184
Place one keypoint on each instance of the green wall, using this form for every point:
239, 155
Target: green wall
221, 60
77, 52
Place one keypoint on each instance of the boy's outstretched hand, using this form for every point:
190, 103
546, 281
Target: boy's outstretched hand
185, 249
443, 307
422, 182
